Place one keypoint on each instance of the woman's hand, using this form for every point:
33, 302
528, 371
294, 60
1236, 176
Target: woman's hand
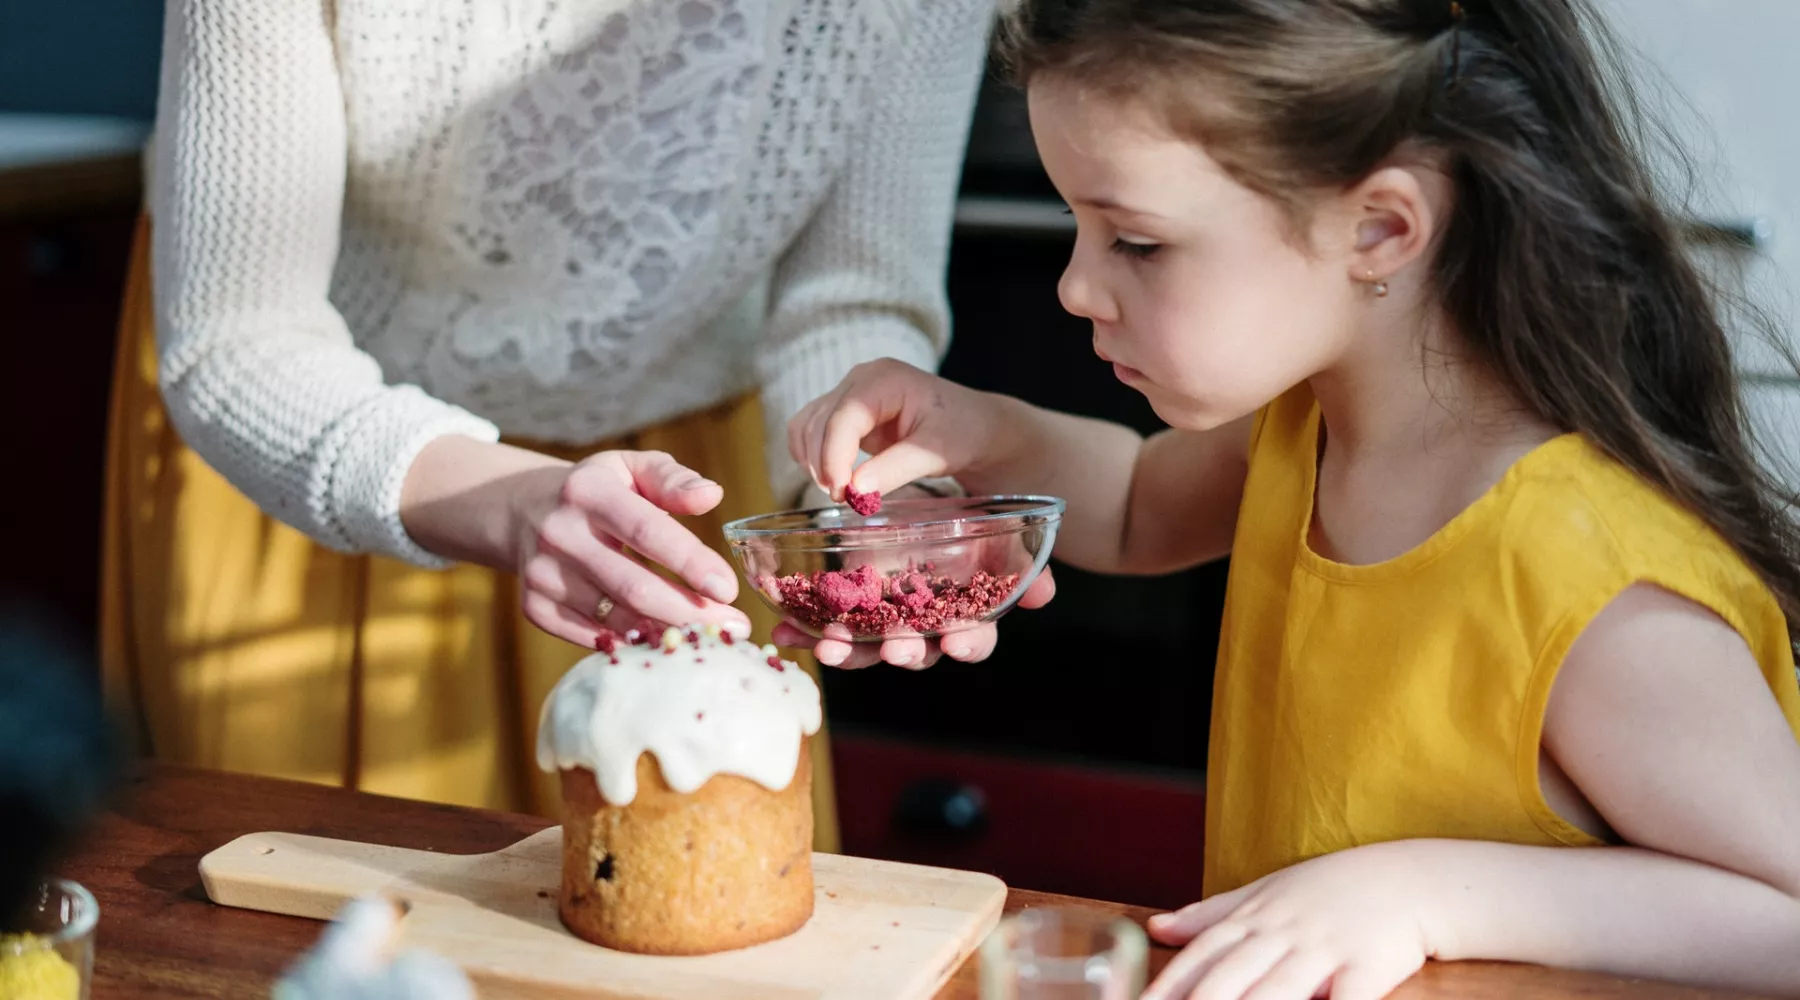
1350, 926
582, 537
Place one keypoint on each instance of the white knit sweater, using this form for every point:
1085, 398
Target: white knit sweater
381, 221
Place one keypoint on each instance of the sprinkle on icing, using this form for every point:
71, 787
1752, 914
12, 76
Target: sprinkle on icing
702, 704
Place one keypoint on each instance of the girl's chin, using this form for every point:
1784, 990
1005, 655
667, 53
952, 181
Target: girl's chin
1185, 414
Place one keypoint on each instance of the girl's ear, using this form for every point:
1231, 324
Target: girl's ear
1393, 216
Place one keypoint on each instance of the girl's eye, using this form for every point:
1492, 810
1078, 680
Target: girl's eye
1136, 251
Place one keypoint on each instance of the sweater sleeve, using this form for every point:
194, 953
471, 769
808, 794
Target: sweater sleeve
259, 373
865, 279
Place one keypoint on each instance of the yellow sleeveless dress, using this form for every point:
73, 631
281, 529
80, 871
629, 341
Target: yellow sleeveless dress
1405, 699
229, 640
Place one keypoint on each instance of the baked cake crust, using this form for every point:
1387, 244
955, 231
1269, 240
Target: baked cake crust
726, 866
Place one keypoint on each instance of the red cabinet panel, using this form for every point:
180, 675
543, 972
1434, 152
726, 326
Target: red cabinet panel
1084, 830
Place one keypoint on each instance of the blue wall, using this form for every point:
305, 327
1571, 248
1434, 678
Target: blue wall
80, 56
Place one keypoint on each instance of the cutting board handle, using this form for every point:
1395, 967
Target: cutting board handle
312, 876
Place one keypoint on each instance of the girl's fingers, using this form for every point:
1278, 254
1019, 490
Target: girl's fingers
971, 645
1240, 967
796, 432
908, 653
1181, 926
1041, 591
832, 652
902, 462
815, 438
841, 436
787, 635
1300, 976
811, 435
1369, 980
847, 655
1179, 977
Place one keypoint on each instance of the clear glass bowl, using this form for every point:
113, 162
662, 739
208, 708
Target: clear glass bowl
924, 567
54, 950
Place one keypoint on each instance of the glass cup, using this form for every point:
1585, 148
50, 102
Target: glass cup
59, 921
1063, 953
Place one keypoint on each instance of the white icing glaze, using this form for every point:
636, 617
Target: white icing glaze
703, 708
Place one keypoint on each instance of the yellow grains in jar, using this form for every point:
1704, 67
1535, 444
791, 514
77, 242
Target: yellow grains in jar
30, 970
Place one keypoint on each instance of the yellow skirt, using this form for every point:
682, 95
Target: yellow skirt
232, 641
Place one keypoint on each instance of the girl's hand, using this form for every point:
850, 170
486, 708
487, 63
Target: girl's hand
971, 645
1349, 926
580, 532
915, 425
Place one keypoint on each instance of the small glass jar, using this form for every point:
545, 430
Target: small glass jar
53, 950
1064, 953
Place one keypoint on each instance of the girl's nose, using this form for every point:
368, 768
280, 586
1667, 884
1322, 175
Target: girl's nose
1081, 294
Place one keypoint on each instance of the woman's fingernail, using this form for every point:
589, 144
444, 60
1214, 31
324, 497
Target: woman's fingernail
956, 652
697, 483
718, 588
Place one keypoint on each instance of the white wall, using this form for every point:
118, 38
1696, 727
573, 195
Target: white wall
1735, 66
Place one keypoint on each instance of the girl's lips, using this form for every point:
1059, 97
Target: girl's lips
1127, 374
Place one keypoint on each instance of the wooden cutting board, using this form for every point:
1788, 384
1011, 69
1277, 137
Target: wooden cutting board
879, 931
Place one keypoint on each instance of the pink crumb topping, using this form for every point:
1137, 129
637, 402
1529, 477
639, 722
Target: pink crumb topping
869, 603
866, 504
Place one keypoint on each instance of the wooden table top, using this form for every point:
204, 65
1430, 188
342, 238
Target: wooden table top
159, 935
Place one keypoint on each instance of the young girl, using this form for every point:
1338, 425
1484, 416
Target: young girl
1506, 579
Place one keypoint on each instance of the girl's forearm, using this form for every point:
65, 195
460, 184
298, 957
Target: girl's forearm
1619, 910
1087, 462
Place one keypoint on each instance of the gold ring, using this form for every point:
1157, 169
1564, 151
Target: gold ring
604, 608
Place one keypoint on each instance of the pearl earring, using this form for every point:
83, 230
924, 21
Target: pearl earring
1381, 288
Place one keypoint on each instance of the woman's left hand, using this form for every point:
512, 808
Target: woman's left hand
1349, 926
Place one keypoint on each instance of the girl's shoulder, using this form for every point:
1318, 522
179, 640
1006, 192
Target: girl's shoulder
1578, 519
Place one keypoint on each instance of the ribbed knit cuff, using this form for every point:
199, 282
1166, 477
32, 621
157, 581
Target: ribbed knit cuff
374, 451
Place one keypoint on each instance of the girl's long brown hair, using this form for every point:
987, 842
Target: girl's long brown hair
1558, 265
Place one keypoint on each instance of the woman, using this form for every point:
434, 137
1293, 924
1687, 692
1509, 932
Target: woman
434, 285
